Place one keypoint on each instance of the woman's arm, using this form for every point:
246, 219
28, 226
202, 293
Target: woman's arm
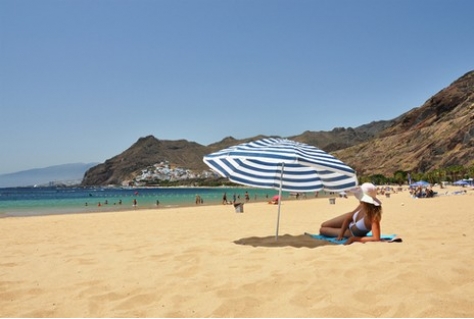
375, 235
347, 220
344, 226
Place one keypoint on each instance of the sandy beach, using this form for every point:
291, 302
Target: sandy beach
209, 261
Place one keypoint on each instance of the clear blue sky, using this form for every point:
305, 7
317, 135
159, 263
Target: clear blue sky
81, 81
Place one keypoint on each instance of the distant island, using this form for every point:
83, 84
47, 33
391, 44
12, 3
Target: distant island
65, 174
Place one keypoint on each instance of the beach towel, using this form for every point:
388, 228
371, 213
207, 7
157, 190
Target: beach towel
390, 238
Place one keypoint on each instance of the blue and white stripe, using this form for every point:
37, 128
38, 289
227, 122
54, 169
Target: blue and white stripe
305, 168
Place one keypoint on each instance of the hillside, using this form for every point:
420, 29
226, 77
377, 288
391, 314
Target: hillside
340, 138
146, 152
438, 134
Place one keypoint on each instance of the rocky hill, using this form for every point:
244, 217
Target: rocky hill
438, 134
146, 152
150, 158
340, 138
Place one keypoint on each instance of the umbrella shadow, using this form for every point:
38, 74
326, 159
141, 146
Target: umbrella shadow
300, 241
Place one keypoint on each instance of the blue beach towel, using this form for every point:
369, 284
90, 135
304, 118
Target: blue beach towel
391, 238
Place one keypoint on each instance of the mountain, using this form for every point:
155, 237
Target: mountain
66, 174
438, 134
150, 158
340, 138
147, 151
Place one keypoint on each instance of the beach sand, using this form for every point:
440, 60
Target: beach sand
209, 261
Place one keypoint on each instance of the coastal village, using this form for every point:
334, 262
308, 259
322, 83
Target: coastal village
164, 171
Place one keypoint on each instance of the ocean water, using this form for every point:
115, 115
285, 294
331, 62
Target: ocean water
31, 201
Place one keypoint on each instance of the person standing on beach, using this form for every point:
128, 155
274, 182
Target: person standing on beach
135, 202
224, 199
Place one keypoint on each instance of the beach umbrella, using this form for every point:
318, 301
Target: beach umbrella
282, 164
420, 183
461, 182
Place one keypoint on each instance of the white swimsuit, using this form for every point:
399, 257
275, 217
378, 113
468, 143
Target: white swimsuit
360, 229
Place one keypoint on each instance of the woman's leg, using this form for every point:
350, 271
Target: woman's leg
333, 226
336, 222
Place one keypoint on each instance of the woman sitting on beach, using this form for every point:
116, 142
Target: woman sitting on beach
357, 224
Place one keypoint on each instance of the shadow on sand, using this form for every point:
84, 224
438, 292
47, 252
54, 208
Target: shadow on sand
286, 240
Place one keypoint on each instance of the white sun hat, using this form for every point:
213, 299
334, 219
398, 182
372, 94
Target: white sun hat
367, 193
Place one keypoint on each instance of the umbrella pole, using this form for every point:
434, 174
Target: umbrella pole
279, 200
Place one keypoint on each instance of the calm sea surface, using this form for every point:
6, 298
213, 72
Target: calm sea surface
30, 201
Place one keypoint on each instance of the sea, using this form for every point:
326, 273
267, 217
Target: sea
34, 201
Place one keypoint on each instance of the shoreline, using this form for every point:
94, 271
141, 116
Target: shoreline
94, 209
46, 202
128, 208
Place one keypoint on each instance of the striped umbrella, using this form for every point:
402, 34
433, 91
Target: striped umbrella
282, 164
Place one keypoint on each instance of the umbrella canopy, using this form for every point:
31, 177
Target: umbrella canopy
461, 182
261, 163
282, 164
420, 183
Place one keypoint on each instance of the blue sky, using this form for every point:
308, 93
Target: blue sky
81, 81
